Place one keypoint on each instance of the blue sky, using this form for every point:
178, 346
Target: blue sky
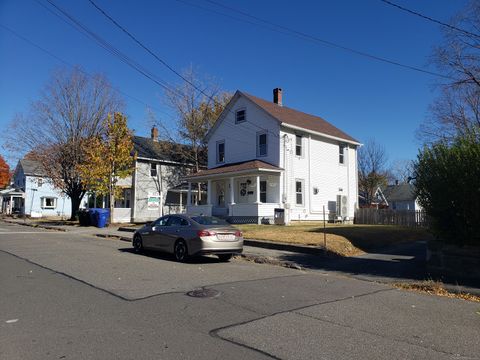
365, 98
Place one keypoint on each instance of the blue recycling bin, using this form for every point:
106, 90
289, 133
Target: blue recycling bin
93, 216
102, 217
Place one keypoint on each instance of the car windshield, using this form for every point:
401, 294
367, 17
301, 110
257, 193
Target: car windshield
209, 220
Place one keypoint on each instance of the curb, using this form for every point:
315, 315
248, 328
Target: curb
284, 247
35, 225
127, 229
117, 237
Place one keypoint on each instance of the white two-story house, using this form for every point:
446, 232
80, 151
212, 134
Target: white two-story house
264, 156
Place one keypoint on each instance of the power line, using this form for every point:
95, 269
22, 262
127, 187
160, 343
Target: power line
305, 36
77, 25
163, 62
466, 32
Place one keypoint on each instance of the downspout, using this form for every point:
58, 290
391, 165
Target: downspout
160, 188
285, 193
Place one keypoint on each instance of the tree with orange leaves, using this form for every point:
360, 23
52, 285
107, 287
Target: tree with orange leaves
4, 173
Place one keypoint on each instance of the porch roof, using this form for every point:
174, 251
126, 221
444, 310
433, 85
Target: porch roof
246, 167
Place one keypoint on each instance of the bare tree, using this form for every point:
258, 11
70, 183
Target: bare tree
400, 170
457, 108
71, 108
372, 159
195, 114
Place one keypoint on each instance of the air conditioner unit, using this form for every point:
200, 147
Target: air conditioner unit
342, 205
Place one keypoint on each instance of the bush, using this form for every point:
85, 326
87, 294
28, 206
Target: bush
447, 181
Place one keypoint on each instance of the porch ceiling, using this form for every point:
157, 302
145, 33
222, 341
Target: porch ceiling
237, 169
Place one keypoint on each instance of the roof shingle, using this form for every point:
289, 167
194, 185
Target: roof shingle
236, 167
300, 119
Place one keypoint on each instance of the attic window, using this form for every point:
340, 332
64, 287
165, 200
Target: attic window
153, 170
240, 116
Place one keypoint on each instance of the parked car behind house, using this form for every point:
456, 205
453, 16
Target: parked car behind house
185, 236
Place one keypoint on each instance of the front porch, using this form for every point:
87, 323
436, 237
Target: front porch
244, 194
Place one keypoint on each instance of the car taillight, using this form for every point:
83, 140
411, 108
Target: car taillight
201, 233
238, 233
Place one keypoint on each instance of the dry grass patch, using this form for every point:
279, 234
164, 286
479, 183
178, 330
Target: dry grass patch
344, 240
435, 288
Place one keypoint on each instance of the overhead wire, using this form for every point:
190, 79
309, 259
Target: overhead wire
425, 17
305, 36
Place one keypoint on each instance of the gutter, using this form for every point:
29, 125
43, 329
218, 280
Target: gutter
320, 134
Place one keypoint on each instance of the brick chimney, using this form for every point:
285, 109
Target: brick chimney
154, 133
277, 96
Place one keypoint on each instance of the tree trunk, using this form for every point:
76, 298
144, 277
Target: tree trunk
76, 199
112, 205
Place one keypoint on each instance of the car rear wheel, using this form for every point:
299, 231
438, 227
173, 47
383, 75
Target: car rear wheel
138, 244
225, 257
180, 250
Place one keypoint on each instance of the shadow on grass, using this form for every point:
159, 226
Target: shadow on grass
169, 257
402, 262
378, 238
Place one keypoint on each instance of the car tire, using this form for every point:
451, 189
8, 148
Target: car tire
225, 257
180, 250
138, 244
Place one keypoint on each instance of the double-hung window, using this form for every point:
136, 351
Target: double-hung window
299, 200
153, 170
341, 153
263, 191
220, 152
240, 116
298, 145
262, 146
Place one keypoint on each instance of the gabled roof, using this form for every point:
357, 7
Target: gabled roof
245, 166
299, 119
146, 148
401, 192
32, 167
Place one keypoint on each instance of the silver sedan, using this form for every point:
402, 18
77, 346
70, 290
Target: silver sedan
185, 236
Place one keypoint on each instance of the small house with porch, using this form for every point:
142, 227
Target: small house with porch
264, 157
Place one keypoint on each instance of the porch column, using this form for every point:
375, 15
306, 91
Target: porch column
11, 205
209, 192
189, 194
258, 190
232, 191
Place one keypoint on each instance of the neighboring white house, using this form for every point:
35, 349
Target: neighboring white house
35, 194
155, 187
264, 156
398, 197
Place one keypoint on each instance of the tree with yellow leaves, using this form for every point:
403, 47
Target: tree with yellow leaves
108, 158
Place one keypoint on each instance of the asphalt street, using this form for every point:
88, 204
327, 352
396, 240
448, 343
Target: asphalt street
74, 296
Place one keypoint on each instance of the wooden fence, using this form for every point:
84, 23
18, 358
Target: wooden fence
411, 218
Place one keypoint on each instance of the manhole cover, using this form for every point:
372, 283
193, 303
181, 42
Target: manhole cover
203, 293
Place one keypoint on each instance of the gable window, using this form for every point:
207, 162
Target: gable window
341, 153
220, 152
298, 145
39, 182
240, 116
263, 191
299, 192
49, 203
153, 170
262, 144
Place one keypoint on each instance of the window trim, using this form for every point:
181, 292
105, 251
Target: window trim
297, 145
244, 115
44, 202
217, 157
302, 181
260, 133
